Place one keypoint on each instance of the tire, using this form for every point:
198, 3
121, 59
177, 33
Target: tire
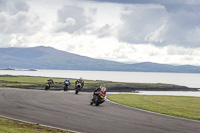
46, 88
65, 88
76, 91
97, 101
91, 102
97, 104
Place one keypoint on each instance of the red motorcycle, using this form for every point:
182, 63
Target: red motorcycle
97, 98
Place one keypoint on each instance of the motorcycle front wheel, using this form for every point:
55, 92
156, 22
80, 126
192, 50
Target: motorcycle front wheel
91, 102
76, 91
46, 88
65, 88
97, 101
97, 104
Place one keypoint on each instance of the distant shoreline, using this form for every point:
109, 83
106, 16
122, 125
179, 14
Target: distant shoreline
181, 79
7, 68
38, 83
14, 69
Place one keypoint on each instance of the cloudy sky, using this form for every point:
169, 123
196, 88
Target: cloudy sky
161, 31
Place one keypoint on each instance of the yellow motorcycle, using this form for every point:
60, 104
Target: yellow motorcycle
47, 87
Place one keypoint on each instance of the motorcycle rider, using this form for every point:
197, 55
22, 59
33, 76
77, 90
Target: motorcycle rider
66, 84
102, 89
79, 81
67, 81
50, 81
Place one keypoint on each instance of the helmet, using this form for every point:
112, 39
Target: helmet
103, 85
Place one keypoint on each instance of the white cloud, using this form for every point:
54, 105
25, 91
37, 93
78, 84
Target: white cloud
157, 35
12, 7
71, 19
119, 32
139, 21
153, 23
16, 22
105, 31
21, 22
15, 18
180, 26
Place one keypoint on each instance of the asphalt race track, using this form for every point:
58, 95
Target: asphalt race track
70, 111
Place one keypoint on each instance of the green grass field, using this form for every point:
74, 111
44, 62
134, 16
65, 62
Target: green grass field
11, 126
28, 82
180, 106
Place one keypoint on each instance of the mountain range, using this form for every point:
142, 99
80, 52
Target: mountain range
50, 58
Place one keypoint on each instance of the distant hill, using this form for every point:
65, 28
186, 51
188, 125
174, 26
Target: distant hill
50, 58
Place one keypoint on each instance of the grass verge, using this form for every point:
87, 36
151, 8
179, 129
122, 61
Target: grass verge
12, 126
180, 106
28, 82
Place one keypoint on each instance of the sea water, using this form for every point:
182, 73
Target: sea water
184, 79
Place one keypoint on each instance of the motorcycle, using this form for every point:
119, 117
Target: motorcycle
97, 99
66, 86
47, 86
78, 88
